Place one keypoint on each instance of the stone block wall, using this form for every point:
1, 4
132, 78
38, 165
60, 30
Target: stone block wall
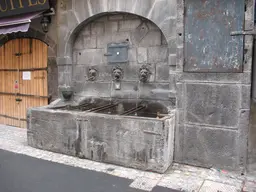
252, 140
213, 109
147, 46
141, 143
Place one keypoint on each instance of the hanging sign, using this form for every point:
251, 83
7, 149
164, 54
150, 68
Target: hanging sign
26, 75
16, 85
17, 7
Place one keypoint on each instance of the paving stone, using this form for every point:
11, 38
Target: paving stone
249, 186
225, 177
144, 183
211, 186
181, 181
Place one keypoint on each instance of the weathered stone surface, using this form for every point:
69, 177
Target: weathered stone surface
97, 28
103, 31
141, 143
153, 91
252, 140
111, 26
86, 31
207, 147
115, 17
246, 100
153, 38
241, 78
91, 57
90, 42
49, 133
92, 89
117, 37
162, 72
157, 54
79, 42
64, 74
52, 79
212, 104
129, 25
132, 55
172, 60
214, 186
142, 55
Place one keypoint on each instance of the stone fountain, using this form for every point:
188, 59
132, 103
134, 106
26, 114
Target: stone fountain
111, 112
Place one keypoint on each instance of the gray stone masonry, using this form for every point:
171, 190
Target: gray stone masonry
212, 109
147, 47
142, 143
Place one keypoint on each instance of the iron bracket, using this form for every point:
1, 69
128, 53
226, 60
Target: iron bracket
108, 54
248, 32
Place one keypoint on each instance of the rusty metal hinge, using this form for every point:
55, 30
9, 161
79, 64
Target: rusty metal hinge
18, 54
248, 32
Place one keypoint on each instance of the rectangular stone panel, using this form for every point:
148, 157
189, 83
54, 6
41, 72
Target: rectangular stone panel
56, 132
203, 146
212, 104
137, 142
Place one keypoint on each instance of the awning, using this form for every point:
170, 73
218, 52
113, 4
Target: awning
17, 24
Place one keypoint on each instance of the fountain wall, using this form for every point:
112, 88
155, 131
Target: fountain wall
147, 47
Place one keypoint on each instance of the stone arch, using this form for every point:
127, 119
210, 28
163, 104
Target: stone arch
163, 13
147, 47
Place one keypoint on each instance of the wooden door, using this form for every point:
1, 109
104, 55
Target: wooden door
23, 79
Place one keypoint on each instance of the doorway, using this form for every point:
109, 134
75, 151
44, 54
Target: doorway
23, 79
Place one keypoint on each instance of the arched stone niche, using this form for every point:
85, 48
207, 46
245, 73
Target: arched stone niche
76, 13
76, 16
147, 47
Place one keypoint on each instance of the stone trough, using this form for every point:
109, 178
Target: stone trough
133, 135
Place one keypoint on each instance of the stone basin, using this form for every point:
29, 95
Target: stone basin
106, 132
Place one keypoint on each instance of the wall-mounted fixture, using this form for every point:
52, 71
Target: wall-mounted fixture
66, 91
117, 75
46, 20
144, 74
117, 53
92, 74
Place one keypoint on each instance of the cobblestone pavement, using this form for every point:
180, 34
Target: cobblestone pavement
179, 177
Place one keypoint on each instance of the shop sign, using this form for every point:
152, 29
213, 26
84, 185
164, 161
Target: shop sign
17, 7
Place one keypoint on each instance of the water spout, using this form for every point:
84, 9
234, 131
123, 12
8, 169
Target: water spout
138, 96
111, 90
144, 74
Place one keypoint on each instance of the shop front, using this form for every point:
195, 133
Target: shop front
24, 58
